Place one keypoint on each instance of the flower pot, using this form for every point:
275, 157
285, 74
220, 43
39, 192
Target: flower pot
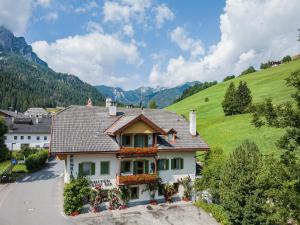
76, 213
185, 199
153, 202
123, 207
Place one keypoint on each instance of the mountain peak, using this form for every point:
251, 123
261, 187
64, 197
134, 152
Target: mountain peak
18, 45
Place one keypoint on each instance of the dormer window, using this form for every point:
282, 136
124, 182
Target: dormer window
171, 137
126, 140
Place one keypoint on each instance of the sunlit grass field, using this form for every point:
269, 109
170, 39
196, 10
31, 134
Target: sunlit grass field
228, 132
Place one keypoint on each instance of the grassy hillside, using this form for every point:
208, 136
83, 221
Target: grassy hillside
228, 132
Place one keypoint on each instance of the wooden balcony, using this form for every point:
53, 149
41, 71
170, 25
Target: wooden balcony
131, 151
137, 179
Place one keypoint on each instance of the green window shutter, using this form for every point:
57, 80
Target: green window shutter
123, 140
173, 164
93, 168
134, 167
146, 166
80, 170
122, 167
104, 168
181, 163
167, 162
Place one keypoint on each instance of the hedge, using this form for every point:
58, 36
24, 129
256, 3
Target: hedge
217, 211
37, 160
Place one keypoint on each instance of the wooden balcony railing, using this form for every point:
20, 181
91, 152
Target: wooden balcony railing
131, 151
137, 179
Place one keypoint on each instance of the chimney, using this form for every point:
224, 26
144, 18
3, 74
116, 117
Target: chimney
193, 123
112, 108
107, 102
89, 103
37, 120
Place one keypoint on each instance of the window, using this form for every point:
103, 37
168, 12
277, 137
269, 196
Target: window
15, 137
163, 164
104, 168
37, 146
29, 137
23, 146
125, 167
37, 137
177, 164
171, 137
45, 138
86, 169
140, 140
126, 140
22, 137
134, 193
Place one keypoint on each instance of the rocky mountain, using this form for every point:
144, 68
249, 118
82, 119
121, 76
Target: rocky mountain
162, 96
26, 81
11, 44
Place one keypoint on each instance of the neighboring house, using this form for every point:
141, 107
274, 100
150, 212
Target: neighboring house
126, 146
27, 132
36, 113
7, 113
275, 63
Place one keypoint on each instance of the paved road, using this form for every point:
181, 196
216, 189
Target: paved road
35, 200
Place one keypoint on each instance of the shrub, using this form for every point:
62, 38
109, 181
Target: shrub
206, 99
286, 59
18, 155
265, 65
251, 69
229, 78
186, 182
217, 211
74, 194
114, 198
37, 160
27, 151
4, 154
169, 191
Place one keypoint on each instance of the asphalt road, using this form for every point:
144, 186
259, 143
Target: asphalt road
35, 200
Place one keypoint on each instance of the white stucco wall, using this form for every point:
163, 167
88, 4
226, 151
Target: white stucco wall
15, 145
168, 176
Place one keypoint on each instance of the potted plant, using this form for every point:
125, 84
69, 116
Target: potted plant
114, 198
186, 182
169, 191
96, 198
124, 196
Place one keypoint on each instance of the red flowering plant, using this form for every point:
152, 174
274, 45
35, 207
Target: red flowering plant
96, 198
114, 198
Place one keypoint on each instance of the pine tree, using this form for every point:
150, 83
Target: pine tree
152, 105
244, 98
3, 148
240, 191
229, 103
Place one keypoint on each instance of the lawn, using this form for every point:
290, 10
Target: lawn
228, 132
20, 168
4, 166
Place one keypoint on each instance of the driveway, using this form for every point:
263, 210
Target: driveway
35, 200
163, 214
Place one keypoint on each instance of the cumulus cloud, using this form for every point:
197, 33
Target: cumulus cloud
50, 16
128, 30
43, 3
163, 14
252, 31
185, 43
86, 7
91, 57
92, 26
15, 14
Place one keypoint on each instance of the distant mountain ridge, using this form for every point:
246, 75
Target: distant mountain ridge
161, 95
26, 81
11, 44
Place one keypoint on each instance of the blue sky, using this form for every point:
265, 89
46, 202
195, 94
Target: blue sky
130, 43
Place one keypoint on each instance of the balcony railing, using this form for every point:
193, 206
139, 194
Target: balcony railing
137, 179
132, 151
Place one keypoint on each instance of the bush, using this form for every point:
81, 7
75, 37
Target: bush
265, 65
206, 99
27, 151
18, 155
251, 69
74, 194
228, 78
37, 160
217, 211
4, 154
286, 59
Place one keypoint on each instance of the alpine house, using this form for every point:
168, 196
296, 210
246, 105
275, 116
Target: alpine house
126, 146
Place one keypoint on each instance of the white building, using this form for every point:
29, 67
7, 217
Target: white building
126, 146
27, 132
36, 113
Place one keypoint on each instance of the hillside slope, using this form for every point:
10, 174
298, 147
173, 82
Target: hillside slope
229, 132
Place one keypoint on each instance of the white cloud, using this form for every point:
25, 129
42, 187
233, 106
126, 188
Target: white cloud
128, 30
50, 16
92, 26
86, 7
180, 37
43, 3
163, 13
251, 32
15, 14
91, 57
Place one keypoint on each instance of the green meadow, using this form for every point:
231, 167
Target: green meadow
228, 132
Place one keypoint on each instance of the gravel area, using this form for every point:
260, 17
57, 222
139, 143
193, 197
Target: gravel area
176, 214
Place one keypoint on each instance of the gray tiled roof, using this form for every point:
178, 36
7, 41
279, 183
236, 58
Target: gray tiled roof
11, 113
28, 126
82, 129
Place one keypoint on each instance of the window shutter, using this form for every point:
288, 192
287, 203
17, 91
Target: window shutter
146, 166
173, 164
167, 162
80, 170
122, 166
181, 163
93, 168
134, 167
123, 140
